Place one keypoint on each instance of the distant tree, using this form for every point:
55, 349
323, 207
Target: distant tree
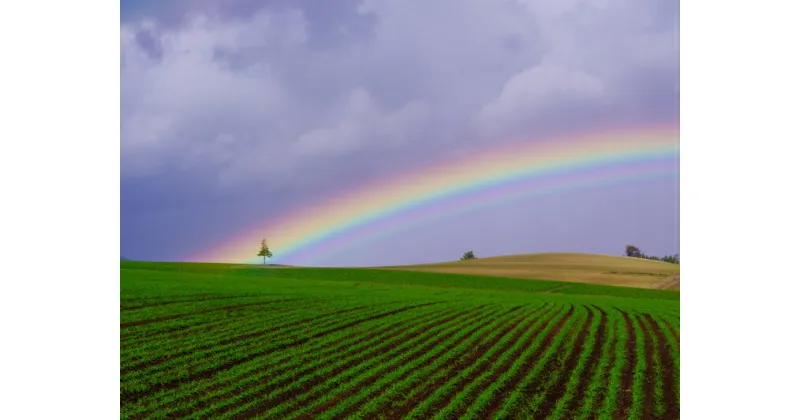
673, 259
264, 251
632, 251
469, 255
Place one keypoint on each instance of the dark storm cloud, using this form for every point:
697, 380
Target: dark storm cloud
330, 24
267, 104
149, 43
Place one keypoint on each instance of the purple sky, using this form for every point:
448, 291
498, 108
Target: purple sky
237, 110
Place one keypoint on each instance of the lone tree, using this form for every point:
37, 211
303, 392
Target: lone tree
469, 255
632, 251
264, 251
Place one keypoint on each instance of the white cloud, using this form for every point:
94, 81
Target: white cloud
532, 94
361, 121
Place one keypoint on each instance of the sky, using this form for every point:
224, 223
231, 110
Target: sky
234, 112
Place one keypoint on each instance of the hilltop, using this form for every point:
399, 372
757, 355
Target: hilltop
608, 270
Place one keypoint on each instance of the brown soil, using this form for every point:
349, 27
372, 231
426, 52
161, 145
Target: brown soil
625, 399
134, 396
673, 331
306, 387
508, 387
591, 363
204, 311
671, 398
227, 341
332, 402
152, 320
189, 299
558, 389
153, 299
193, 328
455, 365
607, 372
650, 373
176, 333
396, 330
483, 348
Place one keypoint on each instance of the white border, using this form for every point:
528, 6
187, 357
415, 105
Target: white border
739, 119
59, 230
59, 160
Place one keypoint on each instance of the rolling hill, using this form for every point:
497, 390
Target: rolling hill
573, 267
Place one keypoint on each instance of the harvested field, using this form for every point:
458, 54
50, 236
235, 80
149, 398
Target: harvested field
238, 342
573, 267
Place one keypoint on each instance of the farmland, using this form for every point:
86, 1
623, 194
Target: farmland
609, 270
225, 341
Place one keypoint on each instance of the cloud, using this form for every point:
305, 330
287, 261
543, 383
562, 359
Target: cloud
360, 122
533, 95
179, 105
309, 96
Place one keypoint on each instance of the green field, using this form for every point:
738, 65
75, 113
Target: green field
225, 341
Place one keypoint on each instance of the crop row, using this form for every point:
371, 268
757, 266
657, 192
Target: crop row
434, 360
234, 382
242, 349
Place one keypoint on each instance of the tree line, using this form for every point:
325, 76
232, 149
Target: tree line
632, 251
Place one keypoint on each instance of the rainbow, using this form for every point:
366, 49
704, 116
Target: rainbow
459, 184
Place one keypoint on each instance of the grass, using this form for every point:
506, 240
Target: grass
232, 341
